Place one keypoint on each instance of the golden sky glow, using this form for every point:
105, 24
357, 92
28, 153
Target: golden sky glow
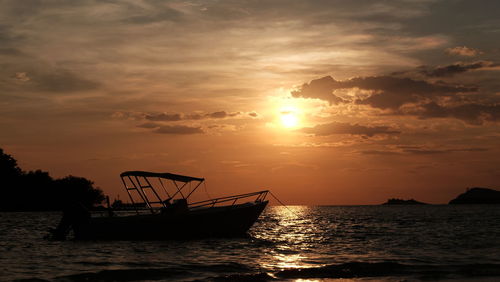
343, 102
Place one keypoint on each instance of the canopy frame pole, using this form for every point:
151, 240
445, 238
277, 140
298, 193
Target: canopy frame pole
146, 199
179, 189
154, 191
164, 189
130, 195
199, 183
137, 189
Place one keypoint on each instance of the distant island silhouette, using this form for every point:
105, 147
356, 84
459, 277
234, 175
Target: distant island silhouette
38, 191
395, 201
477, 195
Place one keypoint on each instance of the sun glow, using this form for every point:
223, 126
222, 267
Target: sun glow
289, 117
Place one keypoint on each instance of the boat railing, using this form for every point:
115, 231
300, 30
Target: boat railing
259, 197
131, 210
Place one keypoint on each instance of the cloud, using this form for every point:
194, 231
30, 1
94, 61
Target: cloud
463, 51
388, 92
153, 14
415, 150
178, 130
253, 114
129, 115
221, 114
163, 117
149, 125
423, 151
10, 52
42, 78
393, 92
451, 70
196, 116
379, 152
321, 89
412, 93
60, 81
472, 113
346, 128
21, 76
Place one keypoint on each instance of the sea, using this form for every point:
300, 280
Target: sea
294, 243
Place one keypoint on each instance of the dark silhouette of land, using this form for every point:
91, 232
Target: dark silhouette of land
477, 195
403, 202
38, 191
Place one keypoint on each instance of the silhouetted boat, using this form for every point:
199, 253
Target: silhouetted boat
164, 218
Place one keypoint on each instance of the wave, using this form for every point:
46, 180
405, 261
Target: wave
240, 272
366, 270
180, 272
136, 274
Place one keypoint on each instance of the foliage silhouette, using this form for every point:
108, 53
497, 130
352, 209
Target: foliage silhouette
38, 191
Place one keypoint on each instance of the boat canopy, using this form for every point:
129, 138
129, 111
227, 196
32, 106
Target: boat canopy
144, 185
165, 175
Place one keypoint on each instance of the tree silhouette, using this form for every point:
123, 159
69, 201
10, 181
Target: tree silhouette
8, 166
78, 189
38, 191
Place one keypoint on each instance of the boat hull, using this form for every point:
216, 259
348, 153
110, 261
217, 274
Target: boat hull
226, 221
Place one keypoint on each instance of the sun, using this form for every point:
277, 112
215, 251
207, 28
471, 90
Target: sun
289, 118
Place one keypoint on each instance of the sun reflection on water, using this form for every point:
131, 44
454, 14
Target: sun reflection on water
288, 261
293, 230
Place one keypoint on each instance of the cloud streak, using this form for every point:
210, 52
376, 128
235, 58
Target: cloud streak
472, 113
463, 51
454, 69
346, 128
178, 130
421, 151
178, 117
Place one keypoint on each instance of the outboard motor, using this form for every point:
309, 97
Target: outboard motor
74, 216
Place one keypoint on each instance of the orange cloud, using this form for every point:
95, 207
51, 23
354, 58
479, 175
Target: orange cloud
178, 129
463, 51
346, 128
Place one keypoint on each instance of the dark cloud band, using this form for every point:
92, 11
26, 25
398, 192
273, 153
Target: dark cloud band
346, 128
178, 130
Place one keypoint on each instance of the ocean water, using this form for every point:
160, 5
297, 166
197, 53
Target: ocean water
298, 243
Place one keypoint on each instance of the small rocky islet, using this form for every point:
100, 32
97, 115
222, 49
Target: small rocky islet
472, 196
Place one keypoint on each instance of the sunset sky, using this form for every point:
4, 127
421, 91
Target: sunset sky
322, 102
